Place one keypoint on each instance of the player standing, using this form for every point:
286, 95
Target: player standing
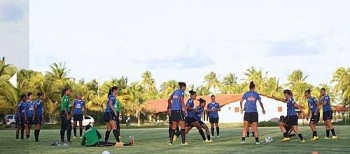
327, 113
39, 115
78, 111
198, 114
213, 109
315, 113
30, 114
20, 116
119, 117
251, 116
66, 124
178, 112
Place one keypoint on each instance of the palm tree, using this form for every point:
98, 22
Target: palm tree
341, 78
149, 85
256, 76
202, 90
211, 81
271, 87
297, 83
229, 84
135, 101
166, 88
8, 93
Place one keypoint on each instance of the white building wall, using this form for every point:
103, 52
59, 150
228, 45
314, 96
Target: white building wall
228, 114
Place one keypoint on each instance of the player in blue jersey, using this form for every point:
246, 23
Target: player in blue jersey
199, 110
291, 119
177, 110
315, 113
327, 113
20, 116
39, 115
78, 111
30, 114
190, 119
251, 116
213, 107
110, 115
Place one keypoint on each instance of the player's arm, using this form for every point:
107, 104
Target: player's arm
169, 103
241, 104
35, 109
296, 105
73, 108
262, 106
219, 108
25, 114
85, 110
183, 105
279, 99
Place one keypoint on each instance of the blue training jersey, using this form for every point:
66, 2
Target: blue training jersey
198, 113
290, 107
176, 97
78, 106
110, 98
30, 109
211, 106
312, 102
251, 97
40, 107
190, 103
326, 103
21, 109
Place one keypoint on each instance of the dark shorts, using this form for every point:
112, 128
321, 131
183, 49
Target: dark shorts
20, 122
315, 118
108, 116
38, 120
328, 115
29, 121
78, 117
292, 120
190, 120
177, 115
66, 124
213, 120
251, 117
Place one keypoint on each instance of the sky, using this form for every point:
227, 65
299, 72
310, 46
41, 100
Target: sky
186, 39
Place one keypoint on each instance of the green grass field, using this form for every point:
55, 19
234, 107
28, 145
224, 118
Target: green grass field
156, 141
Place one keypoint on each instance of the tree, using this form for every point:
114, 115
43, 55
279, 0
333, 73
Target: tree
341, 78
166, 88
135, 101
297, 83
149, 85
256, 76
230, 84
211, 81
8, 93
271, 87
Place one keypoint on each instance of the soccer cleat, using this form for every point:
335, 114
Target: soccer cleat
257, 143
174, 138
74, 137
285, 139
243, 142
80, 137
170, 143
218, 136
314, 138
327, 138
206, 141
334, 137
184, 143
132, 141
69, 141
302, 141
119, 144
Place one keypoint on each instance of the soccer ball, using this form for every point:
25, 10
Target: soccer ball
106, 152
268, 139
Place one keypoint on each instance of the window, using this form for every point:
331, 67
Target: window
236, 109
229, 108
279, 109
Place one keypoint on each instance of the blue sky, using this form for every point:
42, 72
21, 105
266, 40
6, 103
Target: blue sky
186, 39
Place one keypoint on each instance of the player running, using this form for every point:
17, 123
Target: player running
177, 110
78, 111
315, 113
39, 115
291, 118
251, 116
20, 116
327, 113
190, 118
198, 114
213, 109
110, 115
30, 114
65, 114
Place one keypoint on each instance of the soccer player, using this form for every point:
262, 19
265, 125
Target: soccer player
92, 136
110, 115
119, 117
66, 124
39, 115
327, 113
315, 113
30, 114
78, 111
213, 109
251, 116
178, 112
20, 116
291, 118
190, 118
198, 114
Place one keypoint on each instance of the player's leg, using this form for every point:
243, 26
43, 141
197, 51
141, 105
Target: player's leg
63, 126
22, 127
38, 124
212, 126
18, 128
183, 133
108, 131
200, 130
244, 131
115, 130
205, 127
256, 132
282, 126
81, 127
69, 129
296, 131
174, 124
75, 126
217, 127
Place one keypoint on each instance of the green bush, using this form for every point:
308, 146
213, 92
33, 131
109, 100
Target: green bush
267, 124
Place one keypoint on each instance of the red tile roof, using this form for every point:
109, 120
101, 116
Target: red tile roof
160, 105
340, 108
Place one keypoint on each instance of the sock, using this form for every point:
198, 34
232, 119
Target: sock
248, 134
17, 134
301, 136
81, 131
243, 138
62, 134
177, 131
327, 133
202, 134
171, 134
183, 135
22, 133
27, 136
217, 131
257, 139
69, 134
314, 133
116, 135
333, 132
107, 135
36, 135
212, 131
208, 136
253, 134
285, 135
75, 132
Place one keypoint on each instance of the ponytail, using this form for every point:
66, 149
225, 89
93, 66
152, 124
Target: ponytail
251, 85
